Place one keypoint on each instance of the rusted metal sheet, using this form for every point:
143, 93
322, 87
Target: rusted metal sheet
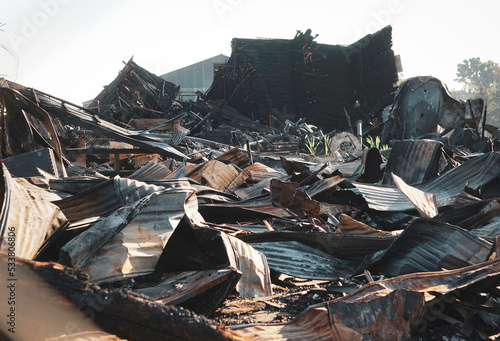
425, 203
220, 176
235, 156
319, 322
27, 219
475, 173
137, 238
104, 198
79, 116
203, 248
190, 286
302, 261
153, 170
323, 185
259, 172
348, 225
489, 231
288, 196
414, 161
428, 245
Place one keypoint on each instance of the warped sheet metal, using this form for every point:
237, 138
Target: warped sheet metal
27, 219
414, 161
154, 169
425, 203
220, 176
302, 261
349, 247
79, 116
348, 225
427, 245
133, 242
105, 198
476, 172
185, 288
316, 322
258, 172
204, 248
489, 231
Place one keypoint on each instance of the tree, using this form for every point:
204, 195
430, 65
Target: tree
482, 79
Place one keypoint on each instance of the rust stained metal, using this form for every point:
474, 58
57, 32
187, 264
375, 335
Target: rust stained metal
222, 177
475, 173
137, 246
259, 172
390, 317
105, 198
348, 225
176, 288
235, 156
195, 247
427, 245
153, 170
288, 196
324, 185
27, 217
425, 203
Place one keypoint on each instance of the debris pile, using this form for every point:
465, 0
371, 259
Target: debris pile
237, 217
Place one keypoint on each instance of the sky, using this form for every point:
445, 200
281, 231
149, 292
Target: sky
72, 48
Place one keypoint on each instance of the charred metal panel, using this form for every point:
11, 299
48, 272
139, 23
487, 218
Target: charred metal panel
27, 219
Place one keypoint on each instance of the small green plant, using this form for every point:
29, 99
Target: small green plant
326, 141
375, 143
312, 145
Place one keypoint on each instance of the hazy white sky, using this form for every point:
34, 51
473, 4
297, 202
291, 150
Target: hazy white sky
72, 48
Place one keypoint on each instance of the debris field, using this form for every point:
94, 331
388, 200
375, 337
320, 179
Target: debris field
305, 196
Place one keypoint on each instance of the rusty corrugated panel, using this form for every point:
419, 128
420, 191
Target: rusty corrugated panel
104, 198
476, 172
141, 234
348, 225
414, 161
235, 156
259, 172
324, 185
425, 203
302, 261
316, 322
428, 245
70, 113
153, 170
27, 218
220, 176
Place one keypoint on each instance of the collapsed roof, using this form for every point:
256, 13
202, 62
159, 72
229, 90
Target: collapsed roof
332, 86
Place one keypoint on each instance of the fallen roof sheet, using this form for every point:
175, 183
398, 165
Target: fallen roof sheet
302, 261
475, 173
130, 244
27, 220
428, 245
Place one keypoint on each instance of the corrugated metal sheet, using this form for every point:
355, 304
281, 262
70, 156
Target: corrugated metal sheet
137, 247
427, 245
425, 203
259, 172
70, 113
351, 247
27, 219
222, 177
324, 185
255, 280
154, 169
316, 322
348, 225
476, 172
104, 198
489, 231
414, 161
299, 260
235, 156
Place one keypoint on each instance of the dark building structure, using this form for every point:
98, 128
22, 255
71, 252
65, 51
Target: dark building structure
331, 86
